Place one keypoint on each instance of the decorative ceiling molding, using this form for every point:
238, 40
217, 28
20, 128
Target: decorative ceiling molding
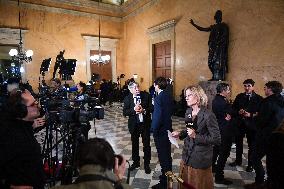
87, 8
138, 10
162, 26
71, 12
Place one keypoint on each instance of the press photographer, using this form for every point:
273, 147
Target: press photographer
20, 160
99, 167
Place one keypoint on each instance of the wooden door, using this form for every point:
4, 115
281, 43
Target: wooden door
105, 71
162, 59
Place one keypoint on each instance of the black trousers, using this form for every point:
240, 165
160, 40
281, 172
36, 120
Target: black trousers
163, 146
145, 134
221, 152
250, 134
259, 151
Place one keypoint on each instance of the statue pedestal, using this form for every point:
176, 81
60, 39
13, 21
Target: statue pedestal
209, 88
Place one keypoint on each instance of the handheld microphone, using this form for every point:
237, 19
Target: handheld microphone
189, 124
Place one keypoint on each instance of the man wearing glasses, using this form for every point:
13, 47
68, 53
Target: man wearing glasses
246, 107
138, 106
20, 160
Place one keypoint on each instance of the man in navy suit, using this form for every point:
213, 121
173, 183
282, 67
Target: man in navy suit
161, 122
138, 107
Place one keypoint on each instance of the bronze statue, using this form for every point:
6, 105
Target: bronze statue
218, 47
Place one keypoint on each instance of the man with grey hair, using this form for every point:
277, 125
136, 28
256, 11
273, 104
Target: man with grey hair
138, 106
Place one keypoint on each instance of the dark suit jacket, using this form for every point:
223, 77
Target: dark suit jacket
198, 152
221, 107
250, 104
163, 110
128, 110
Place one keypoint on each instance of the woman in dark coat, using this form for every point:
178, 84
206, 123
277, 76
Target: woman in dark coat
201, 134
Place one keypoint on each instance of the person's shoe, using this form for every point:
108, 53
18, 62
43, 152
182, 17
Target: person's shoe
249, 169
147, 169
223, 181
255, 186
235, 163
134, 166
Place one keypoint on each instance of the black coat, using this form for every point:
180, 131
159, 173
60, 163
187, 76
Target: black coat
266, 119
20, 155
250, 104
274, 160
128, 110
221, 108
198, 152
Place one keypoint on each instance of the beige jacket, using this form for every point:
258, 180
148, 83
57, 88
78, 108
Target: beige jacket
100, 184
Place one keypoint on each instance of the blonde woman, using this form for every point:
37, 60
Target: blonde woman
201, 134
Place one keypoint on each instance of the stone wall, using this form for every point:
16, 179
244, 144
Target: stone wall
49, 32
255, 51
256, 40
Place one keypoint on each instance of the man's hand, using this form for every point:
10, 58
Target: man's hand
228, 117
119, 170
138, 109
39, 122
246, 114
175, 134
241, 111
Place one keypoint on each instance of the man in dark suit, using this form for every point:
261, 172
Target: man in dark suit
268, 119
246, 107
138, 106
161, 122
222, 110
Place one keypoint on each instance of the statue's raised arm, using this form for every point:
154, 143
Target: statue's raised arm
199, 27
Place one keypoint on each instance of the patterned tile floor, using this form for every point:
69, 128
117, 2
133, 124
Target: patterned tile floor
114, 129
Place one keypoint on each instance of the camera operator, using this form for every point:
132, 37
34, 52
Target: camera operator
81, 89
95, 160
20, 160
57, 90
80, 100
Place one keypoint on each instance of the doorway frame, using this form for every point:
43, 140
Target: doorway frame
107, 44
158, 34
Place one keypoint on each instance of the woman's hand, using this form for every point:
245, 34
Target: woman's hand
191, 133
175, 134
119, 170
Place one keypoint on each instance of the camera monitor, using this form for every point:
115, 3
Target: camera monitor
45, 65
68, 67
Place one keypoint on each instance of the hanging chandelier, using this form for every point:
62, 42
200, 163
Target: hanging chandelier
20, 55
99, 59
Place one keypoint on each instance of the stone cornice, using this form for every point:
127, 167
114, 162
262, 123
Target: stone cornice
67, 11
88, 8
162, 26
